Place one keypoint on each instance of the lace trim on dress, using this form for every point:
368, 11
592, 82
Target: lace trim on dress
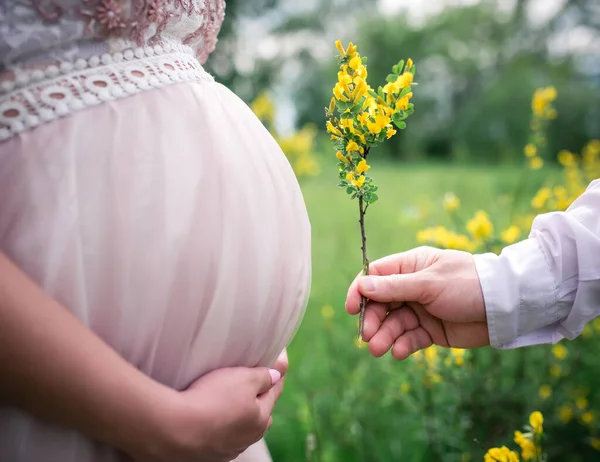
42, 95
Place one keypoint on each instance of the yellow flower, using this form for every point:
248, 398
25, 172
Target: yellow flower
480, 226
333, 130
595, 443
536, 163
405, 387
536, 420
511, 234
581, 403
560, 351
541, 197
451, 202
565, 413
355, 62
530, 150
587, 417
358, 182
340, 48
502, 454
409, 63
528, 447
566, 158
263, 108
327, 312
352, 146
381, 121
403, 81
390, 132
555, 370
545, 392
362, 166
341, 157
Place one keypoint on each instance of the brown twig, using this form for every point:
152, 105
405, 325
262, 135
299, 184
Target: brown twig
361, 220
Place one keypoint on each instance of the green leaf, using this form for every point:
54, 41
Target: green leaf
400, 65
347, 115
400, 124
349, 190
356, 108
395, 70
380, 92
364, 59
374, 197
405, 91
372, 93
391, 78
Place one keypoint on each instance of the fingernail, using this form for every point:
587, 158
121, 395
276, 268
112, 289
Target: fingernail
275, 376
368, 284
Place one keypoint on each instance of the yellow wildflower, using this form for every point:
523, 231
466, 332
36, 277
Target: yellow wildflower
409, 63
565, 413
355, 62
536, 420
545, 392
327, 312
358, 182
381, 121
340, 48
560, 351
530, 150
341, 157
596, 324
405, 387
480, 226
555, 370
333, 130
528, 447
403, 81
390, 132
451, 202
502, 454
511, 234
541, 197
362, 166
595, 443
566, 158
582, 403
352, 146
587, 417
536, 163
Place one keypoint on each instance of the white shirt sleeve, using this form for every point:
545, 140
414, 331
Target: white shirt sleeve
546, 287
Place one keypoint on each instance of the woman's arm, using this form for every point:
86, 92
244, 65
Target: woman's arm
52, 366
55, 368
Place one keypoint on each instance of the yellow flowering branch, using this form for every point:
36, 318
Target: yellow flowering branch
359, 118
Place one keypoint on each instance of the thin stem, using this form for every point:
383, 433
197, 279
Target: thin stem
365, 260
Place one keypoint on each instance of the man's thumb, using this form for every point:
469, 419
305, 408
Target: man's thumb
408, 287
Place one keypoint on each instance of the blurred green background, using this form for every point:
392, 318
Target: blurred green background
479, 62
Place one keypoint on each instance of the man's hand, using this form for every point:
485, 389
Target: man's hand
418, 298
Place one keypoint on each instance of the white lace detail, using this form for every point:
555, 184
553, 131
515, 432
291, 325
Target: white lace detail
42, 95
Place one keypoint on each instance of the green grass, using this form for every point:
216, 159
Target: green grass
326, 390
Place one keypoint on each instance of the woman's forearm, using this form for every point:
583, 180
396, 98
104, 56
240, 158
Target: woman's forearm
55, 368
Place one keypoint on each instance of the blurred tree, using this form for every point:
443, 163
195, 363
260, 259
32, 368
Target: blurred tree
477, 68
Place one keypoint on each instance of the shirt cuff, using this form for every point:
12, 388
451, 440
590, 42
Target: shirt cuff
519, 294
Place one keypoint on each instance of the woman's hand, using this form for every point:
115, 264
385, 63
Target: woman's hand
217, 418
419, 298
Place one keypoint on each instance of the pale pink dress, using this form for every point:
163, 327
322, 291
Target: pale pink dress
145, 197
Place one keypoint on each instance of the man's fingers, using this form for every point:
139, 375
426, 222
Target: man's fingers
374, 315
394, 325
411, 342
412, 287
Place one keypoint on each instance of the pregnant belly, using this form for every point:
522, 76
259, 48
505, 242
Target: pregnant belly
182, 241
